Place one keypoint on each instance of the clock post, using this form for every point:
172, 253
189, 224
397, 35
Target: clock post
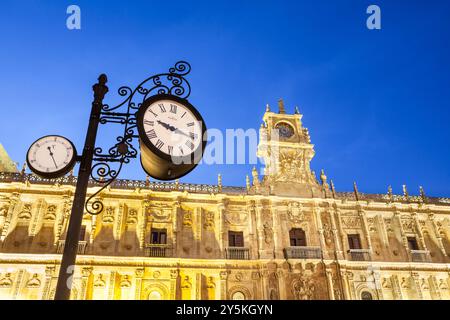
54, 156
67, 268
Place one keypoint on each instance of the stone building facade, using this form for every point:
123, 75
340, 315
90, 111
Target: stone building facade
285, 235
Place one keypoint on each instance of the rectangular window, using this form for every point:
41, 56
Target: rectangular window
412, 243
159, 236
297, 238
354, 241
235, 239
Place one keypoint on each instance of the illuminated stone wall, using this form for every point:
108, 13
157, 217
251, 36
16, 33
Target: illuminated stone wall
117, 260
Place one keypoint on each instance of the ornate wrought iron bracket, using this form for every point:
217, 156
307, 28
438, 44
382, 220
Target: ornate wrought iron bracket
172, 82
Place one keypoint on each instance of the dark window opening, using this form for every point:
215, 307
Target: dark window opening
159, 236
412, 243
235, 239
297, 238
366, 296
354, 241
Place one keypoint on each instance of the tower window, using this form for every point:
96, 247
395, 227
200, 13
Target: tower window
354, 241
159, 236
297, 237
235, 239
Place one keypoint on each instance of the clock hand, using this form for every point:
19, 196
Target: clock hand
167, 126
173, 129
51, 155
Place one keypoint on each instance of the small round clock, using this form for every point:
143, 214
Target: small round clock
285, 130
172, 136
51, 156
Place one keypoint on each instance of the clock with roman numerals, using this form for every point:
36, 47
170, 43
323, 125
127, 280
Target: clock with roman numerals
172, 136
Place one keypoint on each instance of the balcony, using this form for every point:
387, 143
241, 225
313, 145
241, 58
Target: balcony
359, 254
82, 245
420, 255
158, 250
303, 253
237, 253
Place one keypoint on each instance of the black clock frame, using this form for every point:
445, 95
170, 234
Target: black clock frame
56, 174
192, 157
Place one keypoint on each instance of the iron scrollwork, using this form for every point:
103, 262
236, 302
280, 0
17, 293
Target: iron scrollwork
172, 82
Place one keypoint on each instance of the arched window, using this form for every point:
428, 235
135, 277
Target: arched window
297, 237
366, 295
154, 295
238, 295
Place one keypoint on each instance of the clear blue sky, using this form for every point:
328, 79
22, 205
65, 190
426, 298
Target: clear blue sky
376, 102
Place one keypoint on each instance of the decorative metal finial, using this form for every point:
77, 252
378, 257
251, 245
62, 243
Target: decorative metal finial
147, 180
296, 110
355, 190
281, 106
267, 108
100, 88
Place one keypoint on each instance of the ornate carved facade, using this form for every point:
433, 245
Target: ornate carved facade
285, 236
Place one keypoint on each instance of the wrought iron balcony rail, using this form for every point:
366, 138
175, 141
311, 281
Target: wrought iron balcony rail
158, 250
303, 253
359, 254
420, 256
237, 253
205, 188
82, 245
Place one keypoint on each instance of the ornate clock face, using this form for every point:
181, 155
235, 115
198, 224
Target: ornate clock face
172, 126
285, 130
51, 156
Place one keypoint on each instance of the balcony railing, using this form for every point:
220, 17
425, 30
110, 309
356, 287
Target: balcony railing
158, 250
82, 245
359, 254
303, 253
420, 256
237, 253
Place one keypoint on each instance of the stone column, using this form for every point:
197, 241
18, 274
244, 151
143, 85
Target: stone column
17, 285
402, 232
437, 232
224, 285
419, 231
139, 274
222, 228
85, 290
336, 233
173, 284
343, 273
363, 218
176, 211
396, 288
320, 230
259, 230
49, 273
341, 232
416, 282
329, 274
142, 224
112, 285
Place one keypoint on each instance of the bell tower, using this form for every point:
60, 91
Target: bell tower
286, 149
